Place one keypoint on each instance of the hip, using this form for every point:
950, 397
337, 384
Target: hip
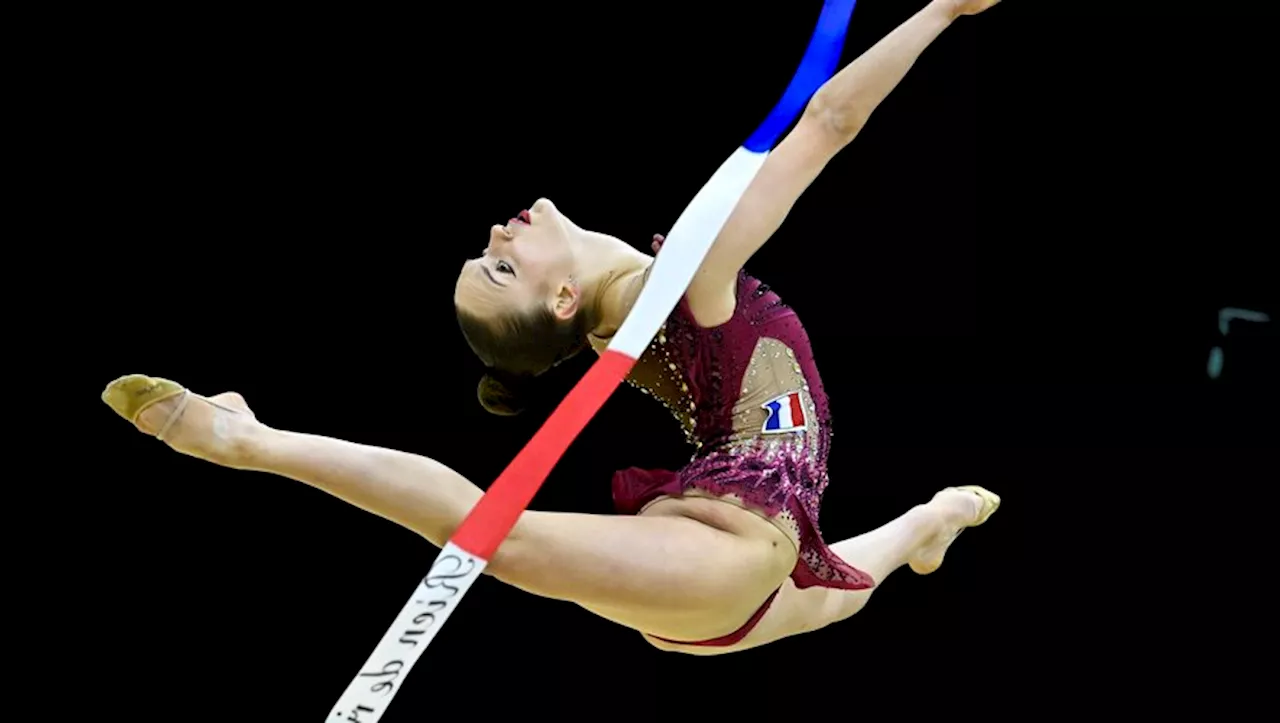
728, 512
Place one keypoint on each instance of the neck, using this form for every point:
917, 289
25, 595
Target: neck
611, 278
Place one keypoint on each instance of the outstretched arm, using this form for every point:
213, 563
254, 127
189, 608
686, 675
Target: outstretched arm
834, 116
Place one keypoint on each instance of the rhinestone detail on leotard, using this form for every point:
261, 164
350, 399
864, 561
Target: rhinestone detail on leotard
714, 381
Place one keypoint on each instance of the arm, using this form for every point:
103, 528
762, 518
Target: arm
835, 115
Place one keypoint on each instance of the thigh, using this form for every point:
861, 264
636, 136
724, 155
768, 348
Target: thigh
792, 612
667, 575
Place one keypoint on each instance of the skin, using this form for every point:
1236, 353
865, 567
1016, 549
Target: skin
552, 262
687, 568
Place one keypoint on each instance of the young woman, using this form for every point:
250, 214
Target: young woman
724, 554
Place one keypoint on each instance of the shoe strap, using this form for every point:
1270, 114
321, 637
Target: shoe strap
174, 415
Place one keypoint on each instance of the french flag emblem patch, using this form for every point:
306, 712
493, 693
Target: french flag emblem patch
786, 414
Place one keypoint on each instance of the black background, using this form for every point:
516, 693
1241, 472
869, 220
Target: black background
298, 192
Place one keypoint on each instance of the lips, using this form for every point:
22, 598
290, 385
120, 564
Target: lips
521, 218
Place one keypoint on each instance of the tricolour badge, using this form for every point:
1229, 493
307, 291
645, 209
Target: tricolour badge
786, 414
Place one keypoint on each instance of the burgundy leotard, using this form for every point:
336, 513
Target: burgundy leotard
750, 399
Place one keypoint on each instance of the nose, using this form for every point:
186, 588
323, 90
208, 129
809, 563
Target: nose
498, 234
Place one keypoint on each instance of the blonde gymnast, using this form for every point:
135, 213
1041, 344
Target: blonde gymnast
722, 555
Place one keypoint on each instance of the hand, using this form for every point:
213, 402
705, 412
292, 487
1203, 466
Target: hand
968, 7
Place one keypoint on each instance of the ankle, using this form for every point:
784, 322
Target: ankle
249, 446
926, 519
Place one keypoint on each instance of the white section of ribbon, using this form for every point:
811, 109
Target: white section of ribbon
437, 596
684, 249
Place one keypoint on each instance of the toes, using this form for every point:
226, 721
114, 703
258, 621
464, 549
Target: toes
977, 503
987, 503
131, 394
153, 418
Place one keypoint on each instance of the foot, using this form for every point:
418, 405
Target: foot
215, 429
954, 508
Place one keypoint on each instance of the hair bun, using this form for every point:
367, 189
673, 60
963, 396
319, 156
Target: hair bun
501, 394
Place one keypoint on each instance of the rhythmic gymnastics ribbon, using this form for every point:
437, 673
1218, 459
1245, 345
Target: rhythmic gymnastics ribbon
463, 558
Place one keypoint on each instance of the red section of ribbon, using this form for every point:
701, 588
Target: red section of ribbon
496, 513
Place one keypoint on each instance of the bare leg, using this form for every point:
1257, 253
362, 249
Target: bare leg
918, 538
667, 575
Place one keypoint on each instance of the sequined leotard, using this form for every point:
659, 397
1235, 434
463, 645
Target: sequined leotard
748, 395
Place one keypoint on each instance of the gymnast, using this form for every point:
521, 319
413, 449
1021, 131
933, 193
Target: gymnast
724, 554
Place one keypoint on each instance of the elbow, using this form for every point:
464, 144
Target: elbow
842, 122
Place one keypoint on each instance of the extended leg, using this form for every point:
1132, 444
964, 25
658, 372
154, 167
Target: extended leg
656, 570
918, 538
669, 576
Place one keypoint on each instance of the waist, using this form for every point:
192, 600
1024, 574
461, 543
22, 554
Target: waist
764, 450
763, 418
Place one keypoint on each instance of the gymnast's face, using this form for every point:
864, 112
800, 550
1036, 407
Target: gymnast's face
529, 261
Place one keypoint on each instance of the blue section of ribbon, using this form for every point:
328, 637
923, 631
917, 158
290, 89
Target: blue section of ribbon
819, 62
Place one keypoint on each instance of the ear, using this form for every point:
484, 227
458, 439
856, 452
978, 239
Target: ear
568, 299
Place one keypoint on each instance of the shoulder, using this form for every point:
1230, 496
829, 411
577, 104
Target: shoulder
712, 305
709, 308
706, 305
